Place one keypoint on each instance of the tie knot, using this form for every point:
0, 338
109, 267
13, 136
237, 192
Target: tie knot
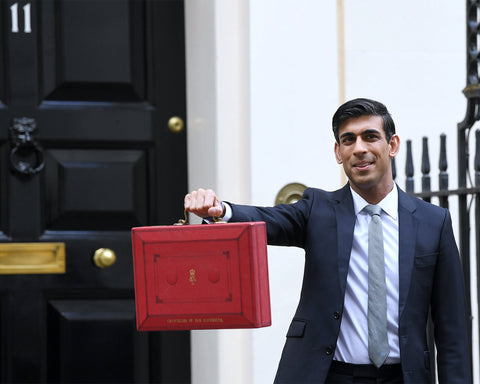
373, 210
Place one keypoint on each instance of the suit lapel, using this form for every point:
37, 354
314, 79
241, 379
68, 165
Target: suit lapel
345, 226
407, 229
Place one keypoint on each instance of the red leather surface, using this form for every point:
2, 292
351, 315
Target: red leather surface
201, 276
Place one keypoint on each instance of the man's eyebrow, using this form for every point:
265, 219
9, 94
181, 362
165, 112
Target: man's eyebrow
346, 134
368, 131
365, 132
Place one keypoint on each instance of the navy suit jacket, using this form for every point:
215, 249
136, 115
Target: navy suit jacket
322, 223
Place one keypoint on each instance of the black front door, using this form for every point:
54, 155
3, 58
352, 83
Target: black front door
87, 90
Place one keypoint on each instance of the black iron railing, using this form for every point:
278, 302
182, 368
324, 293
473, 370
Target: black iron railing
467, 194
468, 189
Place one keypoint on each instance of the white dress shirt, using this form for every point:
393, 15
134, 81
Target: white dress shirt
352, 343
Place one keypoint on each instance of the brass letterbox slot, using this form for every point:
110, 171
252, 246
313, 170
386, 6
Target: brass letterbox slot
32, 258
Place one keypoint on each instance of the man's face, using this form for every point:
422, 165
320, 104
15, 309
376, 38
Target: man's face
366, 155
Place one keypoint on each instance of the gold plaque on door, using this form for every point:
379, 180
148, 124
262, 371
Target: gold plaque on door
32, 258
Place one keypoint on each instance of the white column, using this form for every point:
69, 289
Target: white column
218, 127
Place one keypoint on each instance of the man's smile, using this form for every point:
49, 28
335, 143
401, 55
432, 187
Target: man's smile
363, 165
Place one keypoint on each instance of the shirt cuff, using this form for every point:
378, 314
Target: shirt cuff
228, 212
226, 217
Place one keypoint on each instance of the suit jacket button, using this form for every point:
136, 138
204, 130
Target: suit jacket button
336, 315
329, 350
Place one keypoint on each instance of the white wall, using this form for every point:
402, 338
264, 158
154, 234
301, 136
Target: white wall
218, 119
264, 78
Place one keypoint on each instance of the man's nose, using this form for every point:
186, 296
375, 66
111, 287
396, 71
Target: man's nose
360, 146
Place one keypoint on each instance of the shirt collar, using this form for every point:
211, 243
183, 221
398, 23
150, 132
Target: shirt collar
389, 204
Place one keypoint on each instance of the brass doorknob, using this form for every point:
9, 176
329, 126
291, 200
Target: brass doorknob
104, 258
175, 124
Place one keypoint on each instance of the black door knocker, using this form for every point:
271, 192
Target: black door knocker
26, 154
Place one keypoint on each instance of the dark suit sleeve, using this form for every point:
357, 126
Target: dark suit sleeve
285, 222
449, 311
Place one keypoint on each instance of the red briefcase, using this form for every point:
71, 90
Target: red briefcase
201, 276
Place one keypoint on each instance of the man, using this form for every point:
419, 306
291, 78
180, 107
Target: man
328, 339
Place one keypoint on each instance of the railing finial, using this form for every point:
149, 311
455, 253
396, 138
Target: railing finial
409, 171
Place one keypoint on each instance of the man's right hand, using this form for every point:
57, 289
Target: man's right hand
204, 203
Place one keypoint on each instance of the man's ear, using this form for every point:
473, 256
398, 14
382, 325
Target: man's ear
337, 153
394, 145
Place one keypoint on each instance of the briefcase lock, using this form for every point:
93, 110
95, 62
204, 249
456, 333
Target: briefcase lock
184, 221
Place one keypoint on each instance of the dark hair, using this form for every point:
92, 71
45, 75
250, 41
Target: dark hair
363, 107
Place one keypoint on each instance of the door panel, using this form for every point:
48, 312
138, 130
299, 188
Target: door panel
103, 328
97, 81
97, 189
75, 58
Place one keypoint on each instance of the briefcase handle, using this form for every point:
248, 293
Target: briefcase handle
184, 221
